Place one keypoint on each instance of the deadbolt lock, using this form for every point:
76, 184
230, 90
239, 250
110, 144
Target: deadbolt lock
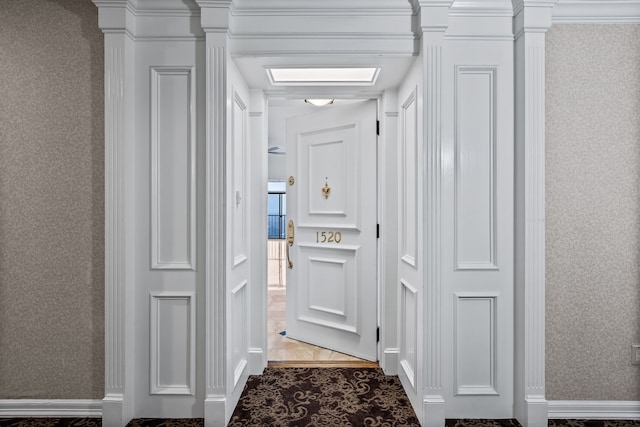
292, 180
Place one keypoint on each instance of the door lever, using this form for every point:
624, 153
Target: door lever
290, 239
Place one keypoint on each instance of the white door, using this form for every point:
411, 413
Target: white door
331, 208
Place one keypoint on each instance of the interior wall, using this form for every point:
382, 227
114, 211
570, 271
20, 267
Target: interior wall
593, 211
51, 200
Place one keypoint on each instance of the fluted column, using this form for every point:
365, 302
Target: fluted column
117, 55
215, 23
433, 17
532, 18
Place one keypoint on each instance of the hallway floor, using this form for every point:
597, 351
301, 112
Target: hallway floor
282, 348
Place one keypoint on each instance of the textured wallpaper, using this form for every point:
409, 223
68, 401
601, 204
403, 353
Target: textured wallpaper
51, 200
593, 211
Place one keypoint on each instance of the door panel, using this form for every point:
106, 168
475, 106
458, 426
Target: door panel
331, 289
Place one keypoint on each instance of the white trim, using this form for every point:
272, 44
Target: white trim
532, 20
49, 408
324, 8
597, 12
257, 357
390, 360
156, 334
594, 409
156, 233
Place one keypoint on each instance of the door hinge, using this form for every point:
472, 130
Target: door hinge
377, 231
377, 127
378, 334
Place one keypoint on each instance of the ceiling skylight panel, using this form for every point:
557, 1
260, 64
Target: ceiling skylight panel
323, 76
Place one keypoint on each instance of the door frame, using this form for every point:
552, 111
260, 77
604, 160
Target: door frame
387, 355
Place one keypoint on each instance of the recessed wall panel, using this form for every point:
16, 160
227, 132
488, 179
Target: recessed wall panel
409, 331
172, 350
475, 168
475, 344
409, 169
172, 168
240, 334
239, 185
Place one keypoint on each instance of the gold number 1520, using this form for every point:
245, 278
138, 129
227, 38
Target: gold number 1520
328, 237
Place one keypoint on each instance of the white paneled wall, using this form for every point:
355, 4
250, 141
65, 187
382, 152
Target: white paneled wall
477, 213
173, 356
475, 167
173, 185
410, 282
165, 279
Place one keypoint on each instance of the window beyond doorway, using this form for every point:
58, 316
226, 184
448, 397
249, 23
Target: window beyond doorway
277, 206
276, 211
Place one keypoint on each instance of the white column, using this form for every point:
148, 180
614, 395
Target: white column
215, 23
434, 17
117, 411
532, 18
258, 170
388, 214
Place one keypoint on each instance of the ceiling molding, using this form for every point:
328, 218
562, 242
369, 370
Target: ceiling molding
164, 8
321, 8
485, 8
597, 12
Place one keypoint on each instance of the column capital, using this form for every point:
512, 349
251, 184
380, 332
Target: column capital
215, 15
112, 15
532, 16
431, 15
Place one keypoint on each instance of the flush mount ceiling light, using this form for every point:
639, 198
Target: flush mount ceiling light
319, 102
323, 76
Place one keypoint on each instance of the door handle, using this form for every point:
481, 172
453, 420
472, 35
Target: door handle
290, 239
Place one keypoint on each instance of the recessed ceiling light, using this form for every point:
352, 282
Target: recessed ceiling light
319, 102
323, 76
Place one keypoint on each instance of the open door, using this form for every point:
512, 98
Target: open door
331, 230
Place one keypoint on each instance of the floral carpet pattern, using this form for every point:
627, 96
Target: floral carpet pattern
323, 397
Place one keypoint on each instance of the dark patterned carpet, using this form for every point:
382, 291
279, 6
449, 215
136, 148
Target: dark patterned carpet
323, 397
316, 397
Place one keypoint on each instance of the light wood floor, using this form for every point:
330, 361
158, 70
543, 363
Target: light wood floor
282, 348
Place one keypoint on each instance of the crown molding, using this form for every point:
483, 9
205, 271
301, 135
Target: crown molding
321, 8
597, 12
485, 8
164, 7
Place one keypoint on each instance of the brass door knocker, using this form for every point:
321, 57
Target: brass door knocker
326, 190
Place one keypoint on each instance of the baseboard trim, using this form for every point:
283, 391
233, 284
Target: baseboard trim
50, 408
594, 409
390, 361
433, 411
257, 361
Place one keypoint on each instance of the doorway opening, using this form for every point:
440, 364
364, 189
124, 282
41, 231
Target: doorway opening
282, 349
